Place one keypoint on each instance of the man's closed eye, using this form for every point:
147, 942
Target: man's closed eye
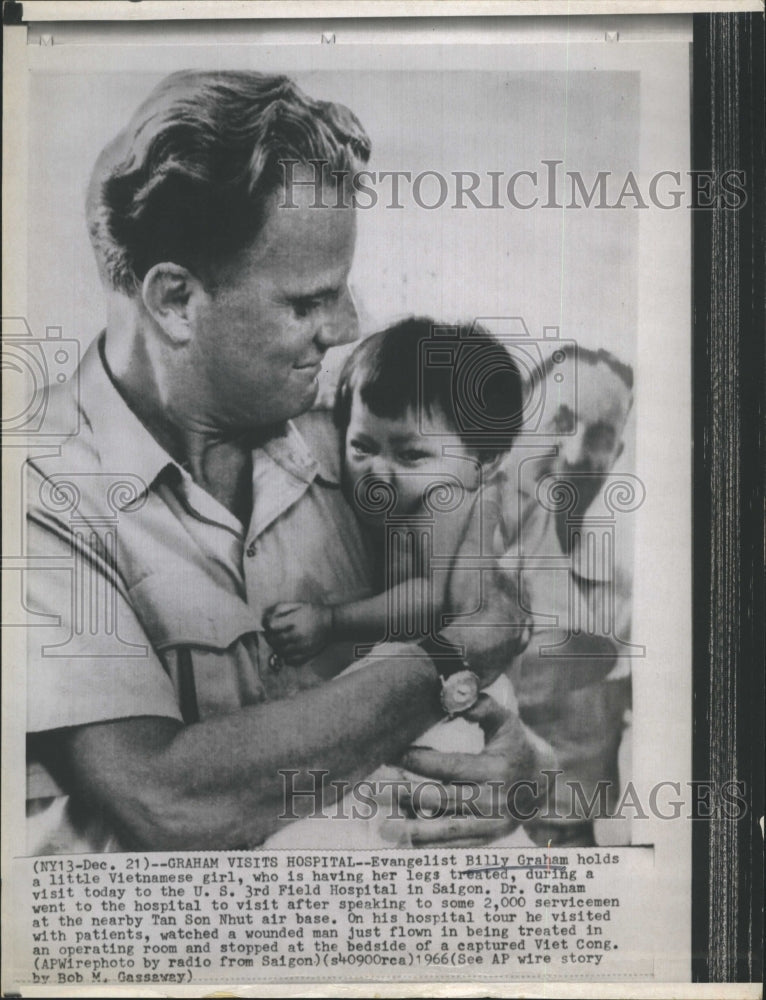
564, 422
412, 455
304, 307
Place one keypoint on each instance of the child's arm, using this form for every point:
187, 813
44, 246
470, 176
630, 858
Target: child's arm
413, 606
299, 631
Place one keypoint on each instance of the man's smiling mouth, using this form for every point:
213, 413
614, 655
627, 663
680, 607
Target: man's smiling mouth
312, 366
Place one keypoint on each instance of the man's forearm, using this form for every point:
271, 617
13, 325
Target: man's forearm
217, 783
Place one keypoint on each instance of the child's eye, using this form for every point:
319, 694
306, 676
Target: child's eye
359, 448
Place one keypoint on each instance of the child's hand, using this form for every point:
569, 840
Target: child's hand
298, 631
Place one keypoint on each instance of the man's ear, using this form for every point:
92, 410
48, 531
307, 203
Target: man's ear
171, 293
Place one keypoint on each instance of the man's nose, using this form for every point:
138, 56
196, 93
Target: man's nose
340, 322
571, 451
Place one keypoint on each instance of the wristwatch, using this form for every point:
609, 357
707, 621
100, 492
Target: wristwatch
460, 686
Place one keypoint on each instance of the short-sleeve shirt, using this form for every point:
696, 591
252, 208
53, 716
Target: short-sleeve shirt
585, 591
572, 681
150, 594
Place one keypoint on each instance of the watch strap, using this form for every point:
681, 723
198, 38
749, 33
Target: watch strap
448, 658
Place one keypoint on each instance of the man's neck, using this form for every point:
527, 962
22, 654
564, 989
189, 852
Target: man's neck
218, 461
224, 469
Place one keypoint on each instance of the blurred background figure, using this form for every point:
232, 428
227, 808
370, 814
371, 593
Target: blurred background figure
573, 681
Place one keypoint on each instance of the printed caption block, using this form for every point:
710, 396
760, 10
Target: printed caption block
263, 916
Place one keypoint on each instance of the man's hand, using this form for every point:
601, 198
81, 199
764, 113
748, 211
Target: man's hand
494, 629
298, 631
484, 795
485, 609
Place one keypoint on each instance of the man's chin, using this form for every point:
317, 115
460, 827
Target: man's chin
310, 396
294, 403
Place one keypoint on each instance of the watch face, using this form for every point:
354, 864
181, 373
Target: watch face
460, 692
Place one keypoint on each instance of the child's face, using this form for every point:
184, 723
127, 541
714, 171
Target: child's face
408, 454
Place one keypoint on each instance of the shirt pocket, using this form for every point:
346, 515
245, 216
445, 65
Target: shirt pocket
206, 637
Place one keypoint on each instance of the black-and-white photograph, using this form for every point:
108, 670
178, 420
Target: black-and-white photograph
351, 435
248, 519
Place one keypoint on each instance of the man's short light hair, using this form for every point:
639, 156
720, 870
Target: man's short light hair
589, 357
187, 180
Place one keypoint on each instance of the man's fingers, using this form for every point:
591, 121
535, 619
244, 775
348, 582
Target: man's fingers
428, 797
466, 813
460, 831
489, 714
445, 766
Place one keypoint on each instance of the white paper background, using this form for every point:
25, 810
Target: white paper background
587, 275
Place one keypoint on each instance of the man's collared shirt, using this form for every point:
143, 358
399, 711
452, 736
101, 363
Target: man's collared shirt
572, 681
579, 584
150, 594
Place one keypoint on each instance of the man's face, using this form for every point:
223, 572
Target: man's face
276, 308
586, 442
590, 440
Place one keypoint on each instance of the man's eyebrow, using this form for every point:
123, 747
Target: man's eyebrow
323, 292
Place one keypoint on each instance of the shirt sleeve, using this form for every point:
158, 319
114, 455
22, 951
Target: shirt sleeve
88, 657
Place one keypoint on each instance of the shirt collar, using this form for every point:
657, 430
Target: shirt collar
125, 445
290, 450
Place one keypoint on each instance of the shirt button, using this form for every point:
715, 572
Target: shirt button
275, 663
251, 549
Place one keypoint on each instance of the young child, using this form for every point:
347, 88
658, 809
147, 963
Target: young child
421, 442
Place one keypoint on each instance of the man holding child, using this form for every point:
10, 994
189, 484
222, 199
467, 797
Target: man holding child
221, 306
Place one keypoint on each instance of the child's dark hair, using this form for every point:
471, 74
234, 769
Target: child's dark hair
473, 381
